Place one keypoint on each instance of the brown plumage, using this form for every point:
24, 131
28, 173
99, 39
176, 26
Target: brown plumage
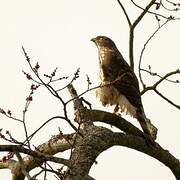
119, 83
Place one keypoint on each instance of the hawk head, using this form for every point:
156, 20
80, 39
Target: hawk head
103, 42
106, 48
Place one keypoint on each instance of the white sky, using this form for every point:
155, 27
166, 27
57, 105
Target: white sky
57, 33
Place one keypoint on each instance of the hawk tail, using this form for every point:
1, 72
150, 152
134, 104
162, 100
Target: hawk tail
146, 125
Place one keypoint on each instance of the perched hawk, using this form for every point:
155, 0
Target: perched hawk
119, 84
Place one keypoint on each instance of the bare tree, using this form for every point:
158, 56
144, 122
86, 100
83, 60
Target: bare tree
88, 140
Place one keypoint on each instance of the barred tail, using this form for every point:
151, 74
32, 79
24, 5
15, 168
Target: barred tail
146, 125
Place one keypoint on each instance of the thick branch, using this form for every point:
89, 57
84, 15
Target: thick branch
114, 120
98, 139
36, 154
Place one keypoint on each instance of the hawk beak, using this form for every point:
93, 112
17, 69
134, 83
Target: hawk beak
93, 40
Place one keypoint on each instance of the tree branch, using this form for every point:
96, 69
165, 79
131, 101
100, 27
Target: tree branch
150, 12
146, 43
159, 81
143, 13
125, 13
22, 165
131, 36
155, 74
44, 152
165, 98
35, 154
113, 120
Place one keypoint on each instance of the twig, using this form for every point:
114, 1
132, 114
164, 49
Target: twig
9, 115
86, 102
50, 88
76, 75
11, 139
45, 123
153, 87
45, 169
168, 9
155, 74
125, 13
165, 98
143, 13
150, 12
131, 35
37, 174
28, 101
142, 51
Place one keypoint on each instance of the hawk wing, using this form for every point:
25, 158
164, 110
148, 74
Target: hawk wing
122, 78
127, 84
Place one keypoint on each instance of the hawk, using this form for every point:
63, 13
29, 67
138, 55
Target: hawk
119, 84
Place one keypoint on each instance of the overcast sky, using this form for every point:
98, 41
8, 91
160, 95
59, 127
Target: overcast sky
57, 33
